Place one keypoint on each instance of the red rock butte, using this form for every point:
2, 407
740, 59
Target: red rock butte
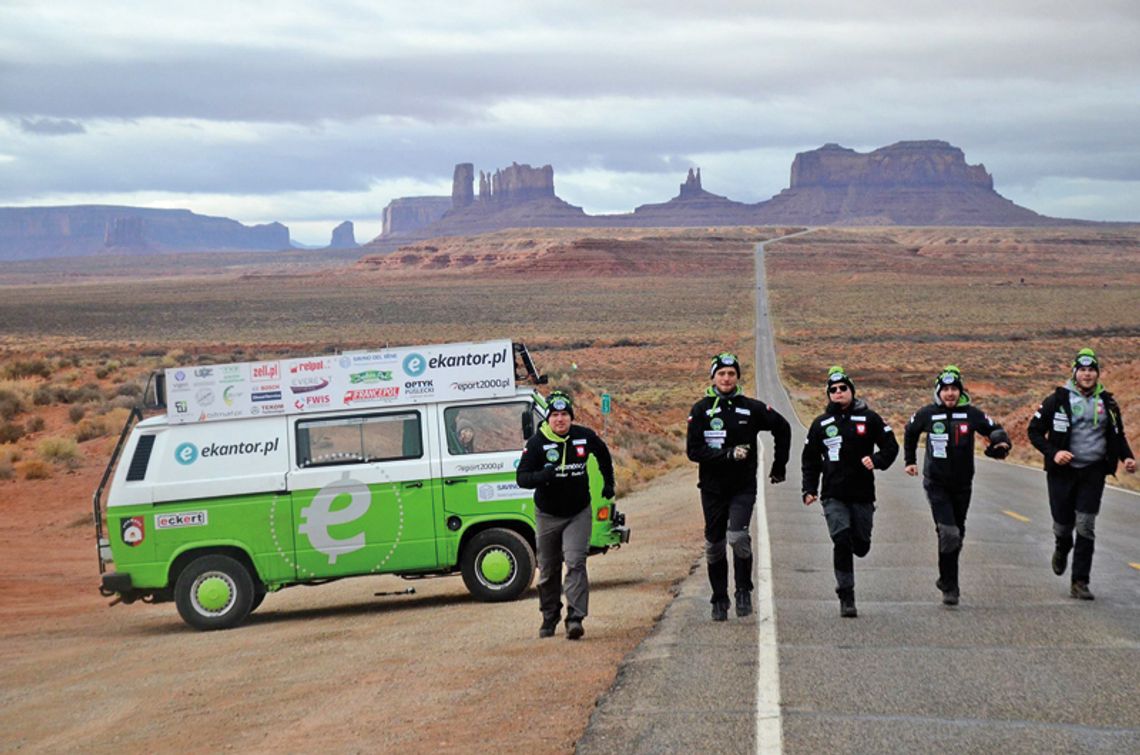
913, 183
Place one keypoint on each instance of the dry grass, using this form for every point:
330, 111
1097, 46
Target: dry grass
636, 318
1010, 307
598, 319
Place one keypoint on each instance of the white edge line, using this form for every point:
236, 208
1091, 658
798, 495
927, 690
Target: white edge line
769, 716
769, 724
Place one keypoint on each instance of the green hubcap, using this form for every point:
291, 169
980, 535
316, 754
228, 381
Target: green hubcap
496, 566
213, 593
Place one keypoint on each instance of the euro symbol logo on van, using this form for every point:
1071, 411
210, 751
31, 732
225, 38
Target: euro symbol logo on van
319, 517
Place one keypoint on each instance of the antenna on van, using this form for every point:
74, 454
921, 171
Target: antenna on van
529, 370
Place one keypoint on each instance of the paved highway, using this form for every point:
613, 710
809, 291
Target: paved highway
1017, 667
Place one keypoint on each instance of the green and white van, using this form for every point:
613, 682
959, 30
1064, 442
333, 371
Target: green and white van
263, 475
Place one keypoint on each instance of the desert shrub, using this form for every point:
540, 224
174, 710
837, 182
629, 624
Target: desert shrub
63, 362
153, 352
53, 393
120, 402
7, 471
58, 450
23, 369
87, 393
76, 413
114, 417
10, 454
10, 432
35, 424
128, 389
173, 359
36, 469
88, 429
10, 405
18, 393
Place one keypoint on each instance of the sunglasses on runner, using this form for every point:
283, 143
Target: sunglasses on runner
838, 388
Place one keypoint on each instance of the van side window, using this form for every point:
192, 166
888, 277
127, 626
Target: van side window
358, 440
485, 428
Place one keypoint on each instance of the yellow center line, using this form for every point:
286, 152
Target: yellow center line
1134, 565
1015, 515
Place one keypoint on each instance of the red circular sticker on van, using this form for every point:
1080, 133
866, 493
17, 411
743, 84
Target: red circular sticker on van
132, 530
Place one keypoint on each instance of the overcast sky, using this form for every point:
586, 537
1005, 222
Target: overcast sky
311, 113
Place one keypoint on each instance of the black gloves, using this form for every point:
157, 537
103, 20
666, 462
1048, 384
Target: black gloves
547, 473
608, 492
998, 437
994, 452
777, 476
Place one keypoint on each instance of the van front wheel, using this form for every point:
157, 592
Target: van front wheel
497, 565
214, 592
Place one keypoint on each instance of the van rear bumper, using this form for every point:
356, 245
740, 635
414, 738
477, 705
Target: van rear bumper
114, 582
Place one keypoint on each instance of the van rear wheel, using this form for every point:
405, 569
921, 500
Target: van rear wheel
214, 592
497, 565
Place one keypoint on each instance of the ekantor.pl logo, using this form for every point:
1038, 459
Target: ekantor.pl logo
186, 454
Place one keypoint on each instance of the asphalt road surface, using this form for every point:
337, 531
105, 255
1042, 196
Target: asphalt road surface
1017, 667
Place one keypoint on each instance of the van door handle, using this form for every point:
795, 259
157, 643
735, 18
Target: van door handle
455, 481
413, 484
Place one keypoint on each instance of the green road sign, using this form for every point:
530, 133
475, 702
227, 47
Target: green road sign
605, 403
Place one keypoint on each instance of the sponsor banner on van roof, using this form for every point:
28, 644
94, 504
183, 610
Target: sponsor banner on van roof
360, 380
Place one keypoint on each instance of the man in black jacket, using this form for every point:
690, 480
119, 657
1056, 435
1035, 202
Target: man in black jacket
722, 440
553, 464
1079, 431
841, 446
948, 471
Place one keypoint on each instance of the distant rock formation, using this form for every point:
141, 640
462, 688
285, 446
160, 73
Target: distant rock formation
519, 195
408, 214
126, 233
693, 207
908, 183
691, 189
344, 236
80, 230
925, 163
462, 191
522, 183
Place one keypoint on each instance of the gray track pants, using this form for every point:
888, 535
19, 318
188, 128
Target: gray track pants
563, 538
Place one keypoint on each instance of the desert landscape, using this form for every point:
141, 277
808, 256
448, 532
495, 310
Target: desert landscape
1010, 307
632, 312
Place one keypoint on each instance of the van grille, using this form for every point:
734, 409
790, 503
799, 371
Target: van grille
139, 462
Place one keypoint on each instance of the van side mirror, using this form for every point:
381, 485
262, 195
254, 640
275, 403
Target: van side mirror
154, 395
527, 424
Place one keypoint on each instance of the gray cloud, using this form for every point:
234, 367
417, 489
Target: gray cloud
50, 127
319, 99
